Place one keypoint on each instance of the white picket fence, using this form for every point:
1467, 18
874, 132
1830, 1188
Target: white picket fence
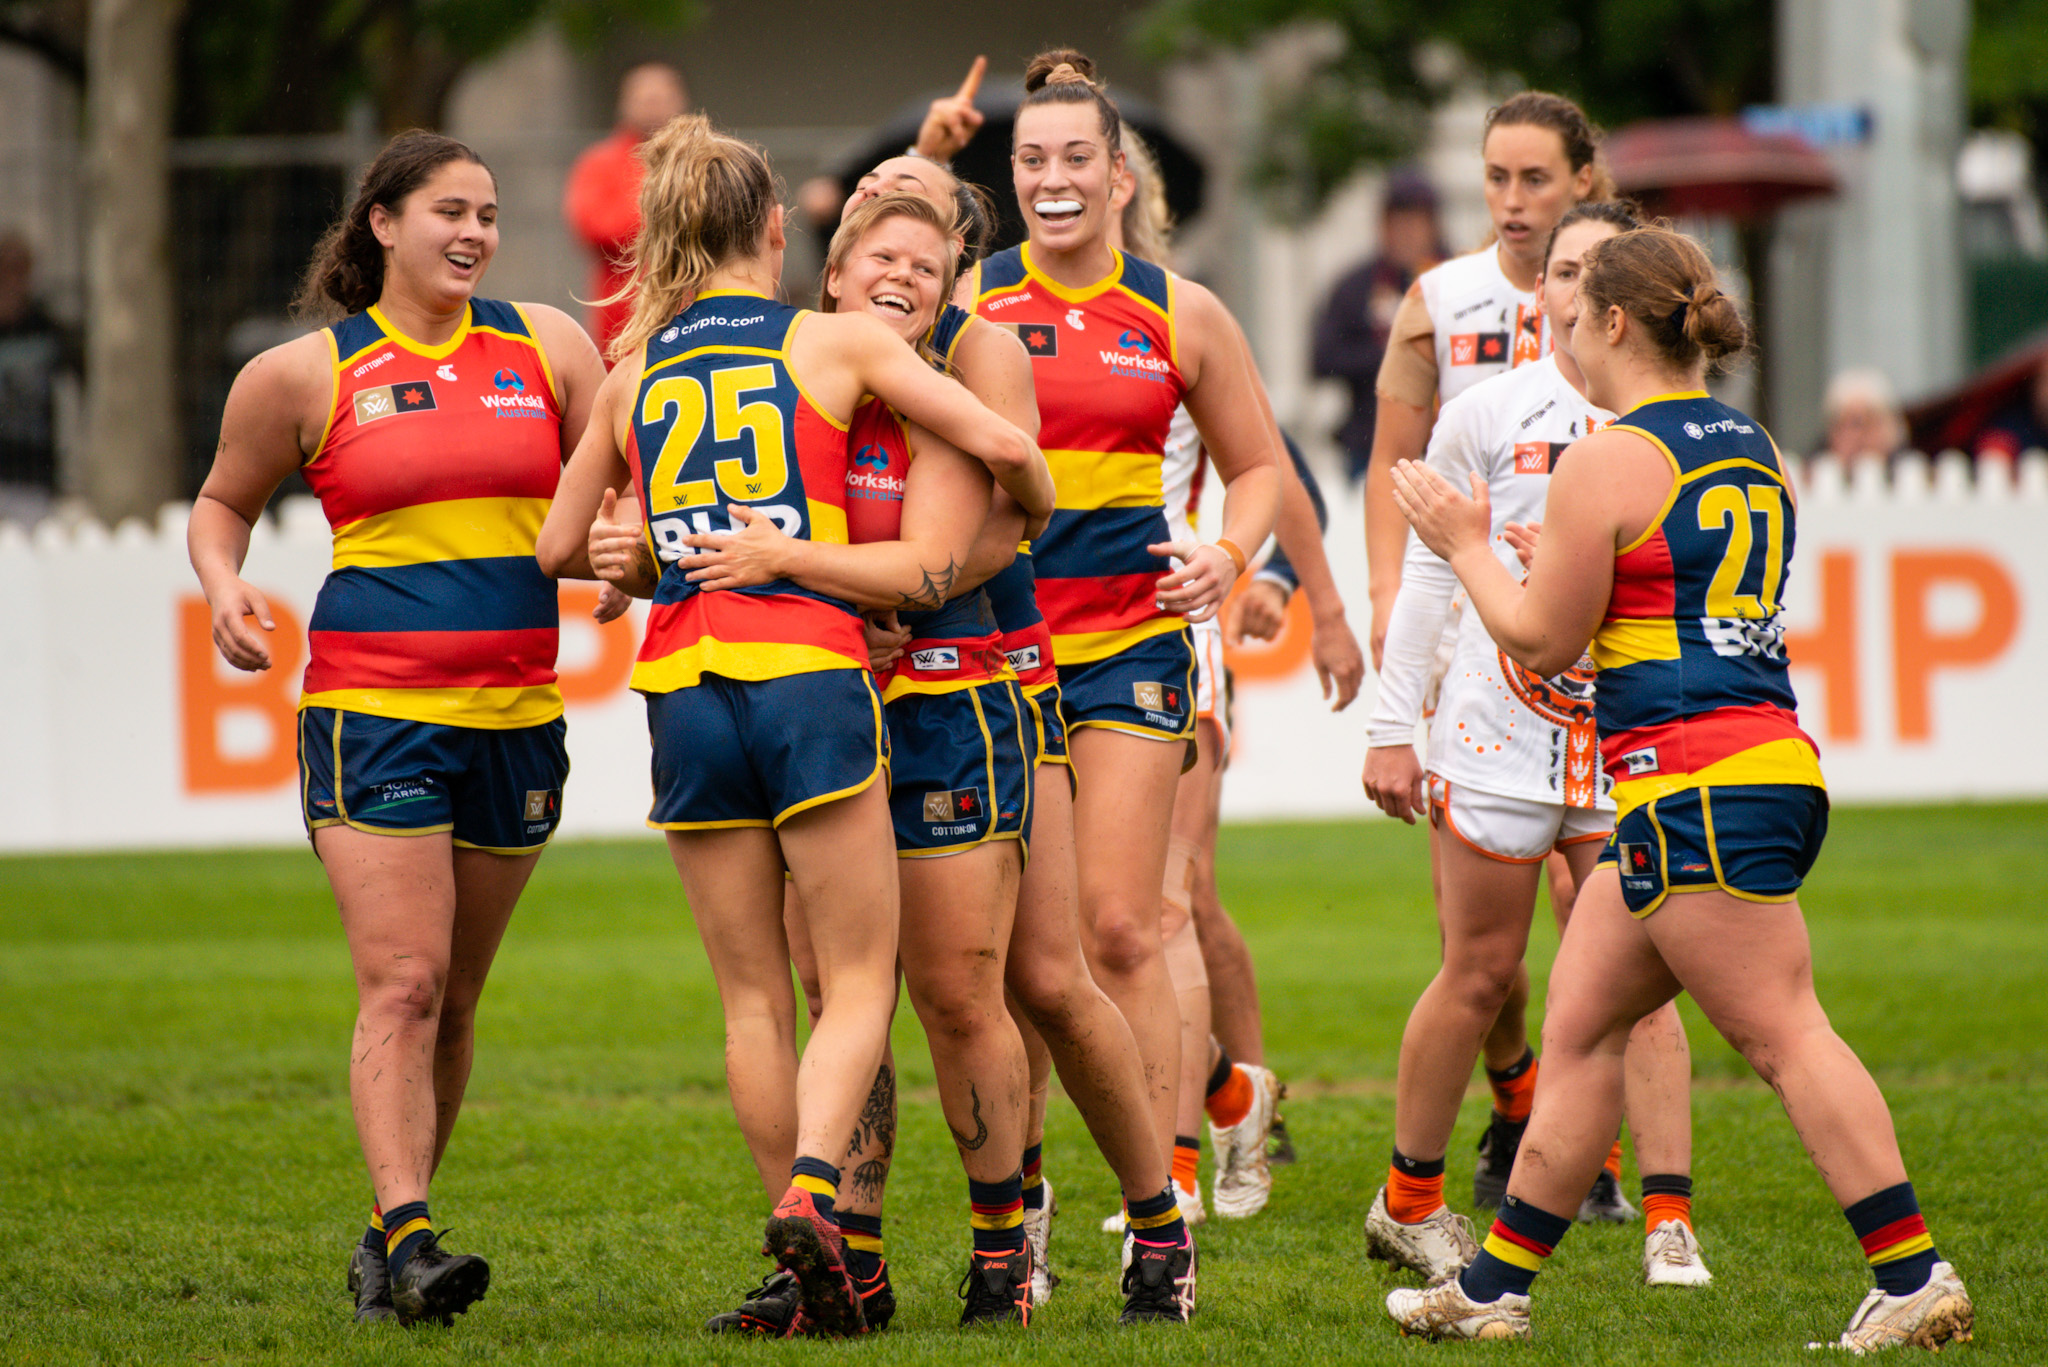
1916, 607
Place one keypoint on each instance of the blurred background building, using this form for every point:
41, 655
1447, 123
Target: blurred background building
158, 199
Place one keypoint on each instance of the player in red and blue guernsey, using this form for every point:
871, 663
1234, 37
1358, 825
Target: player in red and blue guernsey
1665, 546
1117, 344
432, 425
727, 409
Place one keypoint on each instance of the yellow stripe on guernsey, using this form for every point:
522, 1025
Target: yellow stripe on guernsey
1632, 640
1087, 480
745, 661
1787, 760
457, 529
507, 709
1086, 647
828, 523
1513, 1253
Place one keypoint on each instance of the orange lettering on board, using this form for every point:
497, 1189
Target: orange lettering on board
1918, 648
205, 696
1284, 654
616, 645
1831, 647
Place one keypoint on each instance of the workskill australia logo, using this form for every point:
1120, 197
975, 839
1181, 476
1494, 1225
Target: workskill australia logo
508, 379
869, 476
386, 400
512, 400
1133, 357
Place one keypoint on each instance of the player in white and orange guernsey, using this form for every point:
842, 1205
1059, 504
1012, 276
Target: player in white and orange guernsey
1513, 776
432, 424
1666, 547
1471, 318
1117, 344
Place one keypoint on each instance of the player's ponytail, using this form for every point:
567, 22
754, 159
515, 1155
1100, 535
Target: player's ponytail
1064, 76
705, 201
1665, 281
1147, 221
346, 274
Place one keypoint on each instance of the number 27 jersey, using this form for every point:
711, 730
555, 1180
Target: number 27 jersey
720, 419
1693, 685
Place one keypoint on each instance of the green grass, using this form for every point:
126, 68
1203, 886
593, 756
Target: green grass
180, 1173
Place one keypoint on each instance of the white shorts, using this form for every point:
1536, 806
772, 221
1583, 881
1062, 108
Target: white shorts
1513, 830
1210, 704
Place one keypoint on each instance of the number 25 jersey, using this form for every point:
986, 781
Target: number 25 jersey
1693, 686
720, 419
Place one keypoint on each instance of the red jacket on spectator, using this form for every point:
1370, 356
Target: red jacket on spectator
602, 205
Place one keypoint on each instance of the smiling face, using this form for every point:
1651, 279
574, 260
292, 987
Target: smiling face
896, 271
1529, 185
1065, 174
442, 236
1560, 284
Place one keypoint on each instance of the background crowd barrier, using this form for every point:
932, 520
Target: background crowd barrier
1915, 614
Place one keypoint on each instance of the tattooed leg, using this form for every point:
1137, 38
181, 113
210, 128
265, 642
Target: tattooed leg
873, 1148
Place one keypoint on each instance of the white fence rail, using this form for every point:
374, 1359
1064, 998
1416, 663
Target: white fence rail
1917, 607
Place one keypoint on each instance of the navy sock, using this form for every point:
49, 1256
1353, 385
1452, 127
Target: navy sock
1156, 1219
406, 1227
863, 1236
373, 1234
1521, 1238
1034, 1180
1895, 1239
996, 1213
820, 1179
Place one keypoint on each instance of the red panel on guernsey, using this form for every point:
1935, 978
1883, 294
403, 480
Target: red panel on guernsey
1643, 583
1109, 603
822, 451
767, 619
456, 659
875, 474
1690, 744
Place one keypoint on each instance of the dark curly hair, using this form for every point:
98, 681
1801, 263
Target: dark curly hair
346, 273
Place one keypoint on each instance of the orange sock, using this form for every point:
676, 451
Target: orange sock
1232, 1101
1614, 1161
1514, 1089
1415, 1191
1666, 1196
1187, 1158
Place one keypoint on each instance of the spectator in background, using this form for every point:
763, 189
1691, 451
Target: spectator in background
2020, 426
34, 351
1351, 333
602, 199
1862, 416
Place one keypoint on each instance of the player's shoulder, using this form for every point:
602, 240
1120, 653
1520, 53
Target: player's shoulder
297, 369
1460, 272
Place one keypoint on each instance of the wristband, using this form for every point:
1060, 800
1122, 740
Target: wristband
1230, 548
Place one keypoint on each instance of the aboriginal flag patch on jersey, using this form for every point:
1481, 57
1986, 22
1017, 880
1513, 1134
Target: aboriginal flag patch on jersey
1040, 339
1479, 348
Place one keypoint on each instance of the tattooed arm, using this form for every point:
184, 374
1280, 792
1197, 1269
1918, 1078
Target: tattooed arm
945, 499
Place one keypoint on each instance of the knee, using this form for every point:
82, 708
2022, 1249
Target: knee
1126, 937
959, 1006
1484, 976
405, 997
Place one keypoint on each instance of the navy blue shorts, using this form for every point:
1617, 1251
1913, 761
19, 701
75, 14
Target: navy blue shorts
959, 768
1756, 841
1147, 689
491, 790
1048, 726
729, 752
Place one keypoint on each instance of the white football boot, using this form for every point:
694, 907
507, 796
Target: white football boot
1244, 1181
1671, 1257
1437, 1247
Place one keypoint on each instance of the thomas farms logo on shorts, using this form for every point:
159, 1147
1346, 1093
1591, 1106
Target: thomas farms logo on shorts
961, 804
385, 400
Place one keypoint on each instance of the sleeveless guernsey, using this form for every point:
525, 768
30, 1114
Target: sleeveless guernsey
436, 471
718, 419
1483, 325
1693, 688
1106, 365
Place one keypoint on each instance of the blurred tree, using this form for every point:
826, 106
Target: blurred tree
1385, 62
294, 66
2009, 68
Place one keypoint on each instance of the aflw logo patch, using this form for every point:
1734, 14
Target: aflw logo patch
961, 804
1641, 761
936, 659
1156, 697
1022, 658
385, 400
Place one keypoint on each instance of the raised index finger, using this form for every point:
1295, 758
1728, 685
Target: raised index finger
970, 87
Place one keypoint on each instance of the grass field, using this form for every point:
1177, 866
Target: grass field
180, 1175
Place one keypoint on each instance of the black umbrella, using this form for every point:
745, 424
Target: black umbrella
986, 160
